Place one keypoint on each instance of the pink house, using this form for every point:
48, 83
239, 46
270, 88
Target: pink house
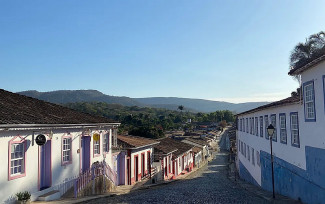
138, 158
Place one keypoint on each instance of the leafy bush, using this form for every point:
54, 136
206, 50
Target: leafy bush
23, 196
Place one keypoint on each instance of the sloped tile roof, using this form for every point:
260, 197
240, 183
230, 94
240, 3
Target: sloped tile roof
133, 142
197, 141
19, 109
283, 102
197, 149
311, 64
180, 146
165, 148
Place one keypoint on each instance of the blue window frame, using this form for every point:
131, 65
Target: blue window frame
247, 125
250, 125
248, 153
245, 149
294, 128
243, 124
261, 126
309, 101
242, 148
253, 157
283, 128
240, 124
256, 126
324, 90
273, 122
266, 119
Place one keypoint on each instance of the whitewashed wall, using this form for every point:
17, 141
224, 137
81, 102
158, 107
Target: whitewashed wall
134, 153
287, 152
62, 176
314, 131
187, 160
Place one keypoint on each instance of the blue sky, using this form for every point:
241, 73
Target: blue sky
235, 51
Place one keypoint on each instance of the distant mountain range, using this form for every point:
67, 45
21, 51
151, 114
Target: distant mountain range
171, 103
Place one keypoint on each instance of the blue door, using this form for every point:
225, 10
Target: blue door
45, 166
85, 150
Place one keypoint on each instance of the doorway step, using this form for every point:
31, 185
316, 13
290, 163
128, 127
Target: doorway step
52, 195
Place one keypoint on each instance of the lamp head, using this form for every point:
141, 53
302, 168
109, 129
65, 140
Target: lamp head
270, 130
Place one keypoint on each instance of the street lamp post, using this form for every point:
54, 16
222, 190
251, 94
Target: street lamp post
270, 132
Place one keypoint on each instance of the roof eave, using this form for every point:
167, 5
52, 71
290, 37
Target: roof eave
313, 63
55, 126
257, 110
133, 148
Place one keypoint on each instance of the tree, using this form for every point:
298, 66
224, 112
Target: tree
304, 53
223, 124
181, 108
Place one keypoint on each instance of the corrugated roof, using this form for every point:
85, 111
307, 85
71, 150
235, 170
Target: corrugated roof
19, 109
132, 142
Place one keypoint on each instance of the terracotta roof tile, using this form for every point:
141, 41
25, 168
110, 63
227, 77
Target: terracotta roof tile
197, 149
180, 146
19, 109
283, 102
135, 141
309, 65
165, 148
197, 141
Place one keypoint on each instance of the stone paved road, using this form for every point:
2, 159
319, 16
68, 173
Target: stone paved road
207, 185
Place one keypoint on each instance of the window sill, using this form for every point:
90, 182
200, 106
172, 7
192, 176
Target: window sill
97, 155
16, 176
66, 163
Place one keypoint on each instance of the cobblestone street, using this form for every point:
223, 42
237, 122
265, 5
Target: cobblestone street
207, 185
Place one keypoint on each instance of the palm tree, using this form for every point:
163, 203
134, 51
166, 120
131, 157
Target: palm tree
304, 53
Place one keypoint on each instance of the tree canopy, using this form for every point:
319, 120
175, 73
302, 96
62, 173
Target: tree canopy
303, 53
149, 122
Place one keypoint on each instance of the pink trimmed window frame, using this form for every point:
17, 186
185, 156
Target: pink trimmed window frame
63, 163
96, 155
12, 141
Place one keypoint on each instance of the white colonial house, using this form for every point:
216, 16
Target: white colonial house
298, 141
69, 149
201, 143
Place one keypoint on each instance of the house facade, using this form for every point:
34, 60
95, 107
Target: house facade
201, 143
44, 146
197, 156
175, 162
163, 154
298, 141
138, 159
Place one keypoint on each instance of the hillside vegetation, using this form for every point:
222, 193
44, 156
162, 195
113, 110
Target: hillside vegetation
149, 122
